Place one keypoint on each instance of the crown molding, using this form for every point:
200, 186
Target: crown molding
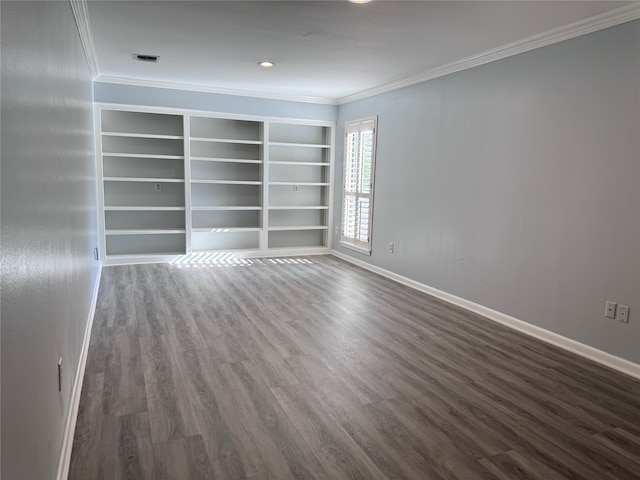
81, 15
572, 30
217, 90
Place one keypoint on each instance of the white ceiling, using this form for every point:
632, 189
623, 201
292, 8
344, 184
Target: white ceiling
325, 49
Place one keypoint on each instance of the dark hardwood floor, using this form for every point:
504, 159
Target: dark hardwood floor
311, 368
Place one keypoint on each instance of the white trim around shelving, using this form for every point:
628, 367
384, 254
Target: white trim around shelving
586, 351
306, 145
298, 207
301, 184
142, 135
227, 182
195, 208
143, 155
115, 208
143, 179
308, 164
143, 231
225, 160
225, 229
209, 114
72, 415
226, 140
297, 227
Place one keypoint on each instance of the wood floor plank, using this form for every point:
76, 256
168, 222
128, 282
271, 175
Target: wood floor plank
184, 459
311, 368
124, 386
86, 441
338, 453
126, 451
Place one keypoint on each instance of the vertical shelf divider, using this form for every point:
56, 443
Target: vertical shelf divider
186, 129
264, 232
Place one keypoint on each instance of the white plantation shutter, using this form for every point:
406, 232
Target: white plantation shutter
357, 199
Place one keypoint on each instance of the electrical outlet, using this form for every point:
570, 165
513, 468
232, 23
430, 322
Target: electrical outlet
610, 309
158, 187
392, 247
296, 188
336, 230
623, 313
60, 374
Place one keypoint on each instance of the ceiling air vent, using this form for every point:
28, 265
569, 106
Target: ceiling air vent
146, 58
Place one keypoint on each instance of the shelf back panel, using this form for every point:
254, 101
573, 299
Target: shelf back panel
225, 150
298, 173
225, 128
141, 123
225, 171
215, 195
142, 146
145, 219
307, 134
285, 195
288, 218
297, 238
143, 194
225, 218
142, 167
225, 241
145, 244
278, 153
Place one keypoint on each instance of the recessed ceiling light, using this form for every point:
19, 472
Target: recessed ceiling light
266, 64
359, 1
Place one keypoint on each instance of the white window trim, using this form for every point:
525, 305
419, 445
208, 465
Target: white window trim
349, 242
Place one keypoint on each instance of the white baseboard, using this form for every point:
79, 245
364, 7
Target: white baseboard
70, 423
598, 356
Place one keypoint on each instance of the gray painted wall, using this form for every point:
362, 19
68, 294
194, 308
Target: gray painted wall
48, 228
516, 185
211, 102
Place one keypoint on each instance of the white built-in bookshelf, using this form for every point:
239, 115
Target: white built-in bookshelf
177, 183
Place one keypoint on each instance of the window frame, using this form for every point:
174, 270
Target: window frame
352, 242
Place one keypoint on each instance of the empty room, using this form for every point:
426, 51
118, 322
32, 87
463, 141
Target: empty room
383, 239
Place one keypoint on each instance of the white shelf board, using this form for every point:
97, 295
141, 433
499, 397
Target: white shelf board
228, 182
143, 155
144, 231
227, 140
307, 145
142, 135
143, 255
141, 209
302, 184
225, 160
309, 164
299, 227
143, 179
225, 229
298, 207
203, 208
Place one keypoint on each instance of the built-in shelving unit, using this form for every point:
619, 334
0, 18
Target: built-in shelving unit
142, 184
174, 183
299, 185
226, 183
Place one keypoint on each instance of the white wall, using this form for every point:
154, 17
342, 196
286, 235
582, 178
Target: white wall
48, 228
516, 185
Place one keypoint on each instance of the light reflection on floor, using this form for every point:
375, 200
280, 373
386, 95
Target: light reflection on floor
230, 259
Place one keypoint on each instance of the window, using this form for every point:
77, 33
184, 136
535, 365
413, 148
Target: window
357, 196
